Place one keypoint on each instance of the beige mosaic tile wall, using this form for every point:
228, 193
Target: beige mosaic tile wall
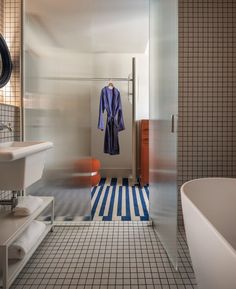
10, 95
207, 89
11, 30
1, 16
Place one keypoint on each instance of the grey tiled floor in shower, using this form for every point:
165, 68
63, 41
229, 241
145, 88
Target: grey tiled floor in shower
105, 255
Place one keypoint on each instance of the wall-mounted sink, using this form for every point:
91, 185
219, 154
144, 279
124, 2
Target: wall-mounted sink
21, 164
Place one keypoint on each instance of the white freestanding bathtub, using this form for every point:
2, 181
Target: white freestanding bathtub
209, 209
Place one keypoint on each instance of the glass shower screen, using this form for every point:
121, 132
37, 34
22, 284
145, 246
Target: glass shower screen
57, 109
163, 121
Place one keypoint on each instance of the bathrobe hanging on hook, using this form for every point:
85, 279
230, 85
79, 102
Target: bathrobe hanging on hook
110, 101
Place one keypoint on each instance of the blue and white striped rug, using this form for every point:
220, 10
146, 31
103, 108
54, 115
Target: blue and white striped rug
112, 199
115, 200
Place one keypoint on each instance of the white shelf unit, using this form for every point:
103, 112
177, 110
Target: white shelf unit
11, 228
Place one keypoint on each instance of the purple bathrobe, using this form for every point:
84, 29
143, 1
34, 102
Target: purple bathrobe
111, 102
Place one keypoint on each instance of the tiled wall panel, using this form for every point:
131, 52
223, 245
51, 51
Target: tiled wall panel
10, 115
11, 30
1, 16
10, 95
207, 89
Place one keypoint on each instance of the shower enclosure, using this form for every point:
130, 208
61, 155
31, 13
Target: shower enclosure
64, 72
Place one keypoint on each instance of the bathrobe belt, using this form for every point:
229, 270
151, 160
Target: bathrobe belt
111, 119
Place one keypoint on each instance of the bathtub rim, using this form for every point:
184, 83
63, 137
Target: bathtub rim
202, 216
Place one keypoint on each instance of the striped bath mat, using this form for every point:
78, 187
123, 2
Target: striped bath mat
116, 200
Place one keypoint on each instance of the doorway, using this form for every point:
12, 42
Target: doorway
72, 51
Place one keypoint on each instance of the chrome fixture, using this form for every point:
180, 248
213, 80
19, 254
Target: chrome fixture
5, 126
10, 202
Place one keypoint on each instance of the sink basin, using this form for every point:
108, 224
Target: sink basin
21, 164
11, 151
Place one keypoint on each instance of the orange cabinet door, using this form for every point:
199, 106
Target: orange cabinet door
144, 152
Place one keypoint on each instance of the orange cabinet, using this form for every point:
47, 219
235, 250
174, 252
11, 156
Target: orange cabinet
144, 152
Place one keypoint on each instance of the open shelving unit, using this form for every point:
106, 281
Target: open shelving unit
11, 228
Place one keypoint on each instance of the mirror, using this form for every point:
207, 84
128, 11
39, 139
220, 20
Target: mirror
5, 63
0, 65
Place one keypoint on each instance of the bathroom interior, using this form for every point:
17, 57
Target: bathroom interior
117, 144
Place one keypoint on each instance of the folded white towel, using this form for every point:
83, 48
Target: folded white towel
27, 205
26, 241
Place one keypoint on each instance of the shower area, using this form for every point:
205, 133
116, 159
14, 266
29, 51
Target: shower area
72, 50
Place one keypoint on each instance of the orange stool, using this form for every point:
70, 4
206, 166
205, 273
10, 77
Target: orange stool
87, 165
86, 172
86, 181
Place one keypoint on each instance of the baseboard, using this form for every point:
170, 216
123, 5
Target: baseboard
115, 173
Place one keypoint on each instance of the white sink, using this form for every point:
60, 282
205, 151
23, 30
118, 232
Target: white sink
21, 164
11, 151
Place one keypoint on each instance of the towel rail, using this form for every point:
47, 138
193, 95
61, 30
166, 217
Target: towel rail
75, 78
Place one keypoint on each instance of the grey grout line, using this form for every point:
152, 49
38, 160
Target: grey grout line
127, 256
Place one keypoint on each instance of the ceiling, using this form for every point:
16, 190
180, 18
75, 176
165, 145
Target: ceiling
90, 26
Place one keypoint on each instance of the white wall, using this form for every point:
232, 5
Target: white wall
57, 109
142, 87
70, 108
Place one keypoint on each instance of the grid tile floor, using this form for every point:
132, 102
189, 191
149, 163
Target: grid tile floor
105, 255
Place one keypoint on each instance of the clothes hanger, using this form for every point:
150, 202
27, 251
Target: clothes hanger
110, 85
